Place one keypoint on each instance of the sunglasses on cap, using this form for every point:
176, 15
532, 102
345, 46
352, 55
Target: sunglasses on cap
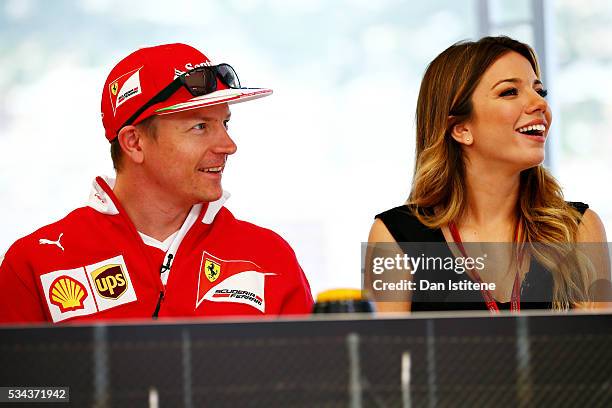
199, 81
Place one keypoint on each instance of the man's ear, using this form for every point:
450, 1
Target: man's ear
460, 132
130, 138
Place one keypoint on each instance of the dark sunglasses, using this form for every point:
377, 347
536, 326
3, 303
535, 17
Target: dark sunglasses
198, 82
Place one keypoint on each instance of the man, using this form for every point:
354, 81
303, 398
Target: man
157, 241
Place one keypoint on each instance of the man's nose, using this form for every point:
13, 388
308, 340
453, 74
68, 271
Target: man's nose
226, 144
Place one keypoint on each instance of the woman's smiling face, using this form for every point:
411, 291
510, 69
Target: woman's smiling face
510, 117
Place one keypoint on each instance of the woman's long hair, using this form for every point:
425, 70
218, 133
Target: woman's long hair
439, 173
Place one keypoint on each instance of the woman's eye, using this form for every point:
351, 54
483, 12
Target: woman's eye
542, 92
509, 92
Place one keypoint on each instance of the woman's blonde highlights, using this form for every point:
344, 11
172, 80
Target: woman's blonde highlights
439, 173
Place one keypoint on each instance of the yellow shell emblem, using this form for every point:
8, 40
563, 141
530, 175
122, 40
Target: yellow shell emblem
212, 269
114, 88
68, 294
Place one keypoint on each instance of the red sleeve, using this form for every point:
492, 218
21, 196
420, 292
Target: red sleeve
19, 300
299, 300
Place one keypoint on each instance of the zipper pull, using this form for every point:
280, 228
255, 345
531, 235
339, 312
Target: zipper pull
161, 297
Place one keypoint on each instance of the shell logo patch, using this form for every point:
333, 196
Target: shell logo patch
212, 270
67, 293
110, 281
87, 290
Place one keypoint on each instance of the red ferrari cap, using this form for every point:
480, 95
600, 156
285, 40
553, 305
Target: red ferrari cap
140, 76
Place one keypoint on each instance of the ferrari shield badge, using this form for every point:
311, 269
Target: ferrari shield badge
212, 270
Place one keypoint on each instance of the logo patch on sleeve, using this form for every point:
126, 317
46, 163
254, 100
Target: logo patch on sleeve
68, 294
111, 282
239, 282
87, 290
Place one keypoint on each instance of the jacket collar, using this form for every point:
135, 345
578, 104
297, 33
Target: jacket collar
104, 203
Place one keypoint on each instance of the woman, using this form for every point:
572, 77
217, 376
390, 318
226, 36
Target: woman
482, 121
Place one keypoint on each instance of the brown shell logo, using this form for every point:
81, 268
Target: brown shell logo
110, 281
68, 294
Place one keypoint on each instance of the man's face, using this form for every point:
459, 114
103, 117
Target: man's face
187, 157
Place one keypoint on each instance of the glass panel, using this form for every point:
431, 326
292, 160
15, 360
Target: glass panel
520, 32
585, 102
509, 11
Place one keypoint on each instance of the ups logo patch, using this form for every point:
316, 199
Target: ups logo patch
110, 281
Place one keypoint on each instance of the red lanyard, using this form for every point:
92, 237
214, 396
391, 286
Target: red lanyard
515, 300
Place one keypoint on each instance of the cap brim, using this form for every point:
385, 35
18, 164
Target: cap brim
228, 96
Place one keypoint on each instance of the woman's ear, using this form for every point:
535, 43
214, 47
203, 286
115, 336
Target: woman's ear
130, 139
461, 132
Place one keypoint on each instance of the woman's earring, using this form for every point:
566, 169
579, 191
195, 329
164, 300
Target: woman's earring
467, 139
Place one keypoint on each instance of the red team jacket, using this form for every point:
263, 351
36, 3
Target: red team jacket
94, 265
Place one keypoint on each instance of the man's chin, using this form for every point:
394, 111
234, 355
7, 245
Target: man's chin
210, 196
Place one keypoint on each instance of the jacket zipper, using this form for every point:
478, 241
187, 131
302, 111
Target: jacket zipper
162, 269
161, 297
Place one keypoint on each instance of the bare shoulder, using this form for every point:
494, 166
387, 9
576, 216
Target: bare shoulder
380, 233
591, 229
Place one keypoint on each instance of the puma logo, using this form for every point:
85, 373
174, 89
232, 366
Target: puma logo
49, 242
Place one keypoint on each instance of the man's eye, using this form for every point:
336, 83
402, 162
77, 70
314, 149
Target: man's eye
509, 92
200, 126
226, 124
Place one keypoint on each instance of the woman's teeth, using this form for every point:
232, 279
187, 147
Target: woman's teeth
532, 129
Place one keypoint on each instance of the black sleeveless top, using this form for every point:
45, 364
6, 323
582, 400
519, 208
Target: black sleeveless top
536, 288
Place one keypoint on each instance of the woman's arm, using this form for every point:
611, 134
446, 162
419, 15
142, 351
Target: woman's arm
592, 239
380, 234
